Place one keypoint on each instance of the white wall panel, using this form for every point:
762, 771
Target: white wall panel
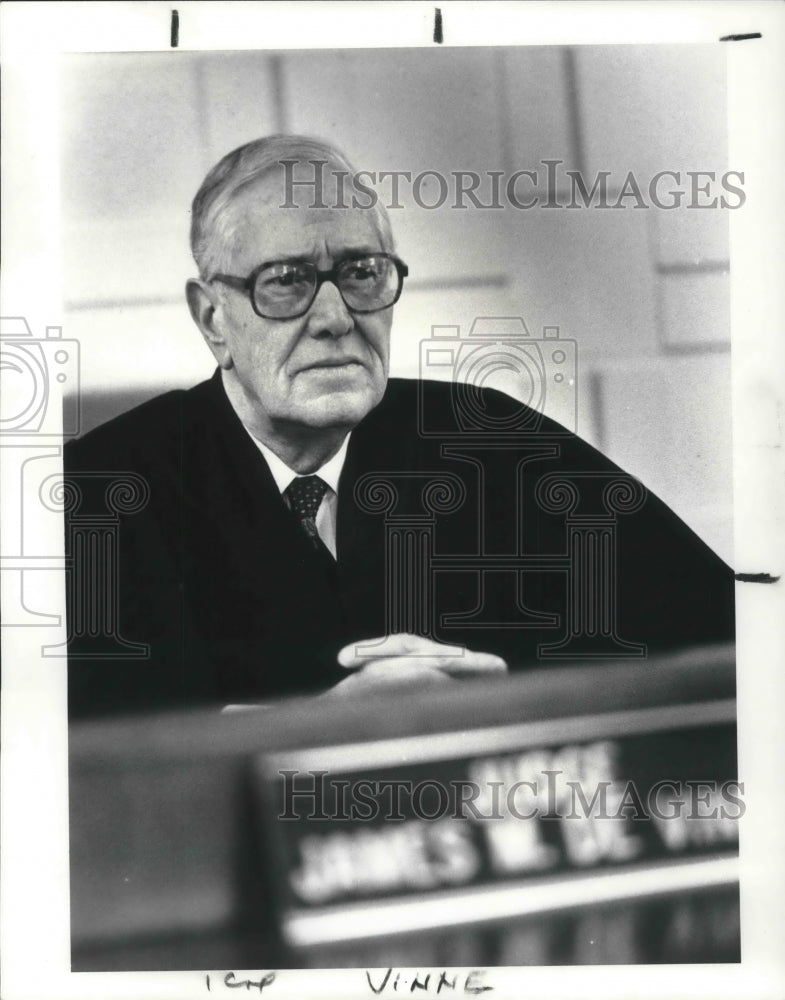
695, 310
668, 422
690, 236
539, 110
399, 109
587, 271
130, 260
132, 135
139, 347
652, 108
127, 204
237, 91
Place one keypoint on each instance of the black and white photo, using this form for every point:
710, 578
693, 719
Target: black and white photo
384, 454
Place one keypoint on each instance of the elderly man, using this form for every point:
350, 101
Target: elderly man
261, 565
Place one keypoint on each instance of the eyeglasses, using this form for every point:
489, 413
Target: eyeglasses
287, 289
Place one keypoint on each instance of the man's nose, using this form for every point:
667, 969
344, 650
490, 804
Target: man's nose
328, 313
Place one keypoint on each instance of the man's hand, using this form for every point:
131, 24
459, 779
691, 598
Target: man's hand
404, 660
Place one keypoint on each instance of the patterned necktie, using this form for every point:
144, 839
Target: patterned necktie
304, 495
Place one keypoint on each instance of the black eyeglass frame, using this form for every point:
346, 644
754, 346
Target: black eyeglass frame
247, 284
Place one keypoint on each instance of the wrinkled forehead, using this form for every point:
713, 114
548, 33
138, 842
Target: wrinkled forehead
270, 218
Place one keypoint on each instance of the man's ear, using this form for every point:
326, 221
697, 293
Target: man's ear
201, 298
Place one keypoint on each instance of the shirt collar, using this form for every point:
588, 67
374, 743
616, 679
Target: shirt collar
330, 472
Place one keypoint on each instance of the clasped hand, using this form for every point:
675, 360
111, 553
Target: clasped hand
405, 660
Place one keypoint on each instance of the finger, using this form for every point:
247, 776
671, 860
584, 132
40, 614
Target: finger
469, 665
473, 663
357, 654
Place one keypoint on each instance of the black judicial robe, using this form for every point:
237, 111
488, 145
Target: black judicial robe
461, 514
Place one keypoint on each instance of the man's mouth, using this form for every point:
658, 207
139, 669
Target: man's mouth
334, 363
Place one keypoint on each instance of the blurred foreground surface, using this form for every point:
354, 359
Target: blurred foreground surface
179, 858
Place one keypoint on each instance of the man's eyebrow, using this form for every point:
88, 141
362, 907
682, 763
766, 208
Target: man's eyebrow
350, 253
286, 259
363, 250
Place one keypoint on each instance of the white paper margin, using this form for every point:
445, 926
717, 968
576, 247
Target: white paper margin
35, 931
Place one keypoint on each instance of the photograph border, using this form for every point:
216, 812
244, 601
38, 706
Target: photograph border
35, 937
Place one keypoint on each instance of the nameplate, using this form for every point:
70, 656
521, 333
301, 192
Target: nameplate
452, 827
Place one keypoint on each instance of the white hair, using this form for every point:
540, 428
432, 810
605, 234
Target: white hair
213, 227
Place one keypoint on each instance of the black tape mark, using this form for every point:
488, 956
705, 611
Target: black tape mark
175, 31
437, 26
741, 38
756, 578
